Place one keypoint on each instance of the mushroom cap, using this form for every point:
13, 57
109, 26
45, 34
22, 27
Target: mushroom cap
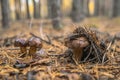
80, 42
35, 42
20, 42
77, 43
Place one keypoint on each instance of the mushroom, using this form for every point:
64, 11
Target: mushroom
21, 42
77, 46
34, 43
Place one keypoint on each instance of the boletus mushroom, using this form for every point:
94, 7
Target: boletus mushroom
77, 46
34, 43
21, 42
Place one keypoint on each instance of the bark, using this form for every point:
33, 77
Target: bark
111, 10
27, 8
96, 8
114, 8
102, 7
49, 2
36, 9
56, 14
18, 9
0, 11
117, 8
86, 8
5, 13
49, 8
77, 10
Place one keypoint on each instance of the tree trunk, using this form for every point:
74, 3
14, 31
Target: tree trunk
114, 8
0, 11
56, 14
5, 13
18, 9
27, 8
96, 8
49, 2
117, 7
36, 9
111, 6
77, 10
102, 7
86, 8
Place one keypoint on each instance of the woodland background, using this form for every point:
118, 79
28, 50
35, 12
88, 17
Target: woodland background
55, 11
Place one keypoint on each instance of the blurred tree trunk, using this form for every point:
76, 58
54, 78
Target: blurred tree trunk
0, 10
56, 13
27, 8
96, 8
102, 7
77, 10
18, 9
114, 8
49, 2
49, 8
86, 8
111, 9
36, 9
117, 7
5, 13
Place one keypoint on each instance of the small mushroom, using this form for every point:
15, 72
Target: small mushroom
77, 45
21, 42
34, 43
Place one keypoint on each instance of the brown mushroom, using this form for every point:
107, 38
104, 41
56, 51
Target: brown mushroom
34, 43
21, 42
77, 46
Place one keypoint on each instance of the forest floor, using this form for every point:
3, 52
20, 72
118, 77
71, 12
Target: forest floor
50, 68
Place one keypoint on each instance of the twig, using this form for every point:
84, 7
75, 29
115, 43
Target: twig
93, 44
40, 62
92, 59
88, 54
79, 66
11, 49
109, 46
96, 52
49, 40
45, 40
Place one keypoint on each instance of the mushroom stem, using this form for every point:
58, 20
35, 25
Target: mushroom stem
77, 54
23, 49
32, 50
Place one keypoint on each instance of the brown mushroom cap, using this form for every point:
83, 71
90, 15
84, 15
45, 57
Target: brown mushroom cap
80, 42
77, 43
20, 42
35, 42
77, 46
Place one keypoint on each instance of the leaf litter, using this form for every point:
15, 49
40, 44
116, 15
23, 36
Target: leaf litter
58, 59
